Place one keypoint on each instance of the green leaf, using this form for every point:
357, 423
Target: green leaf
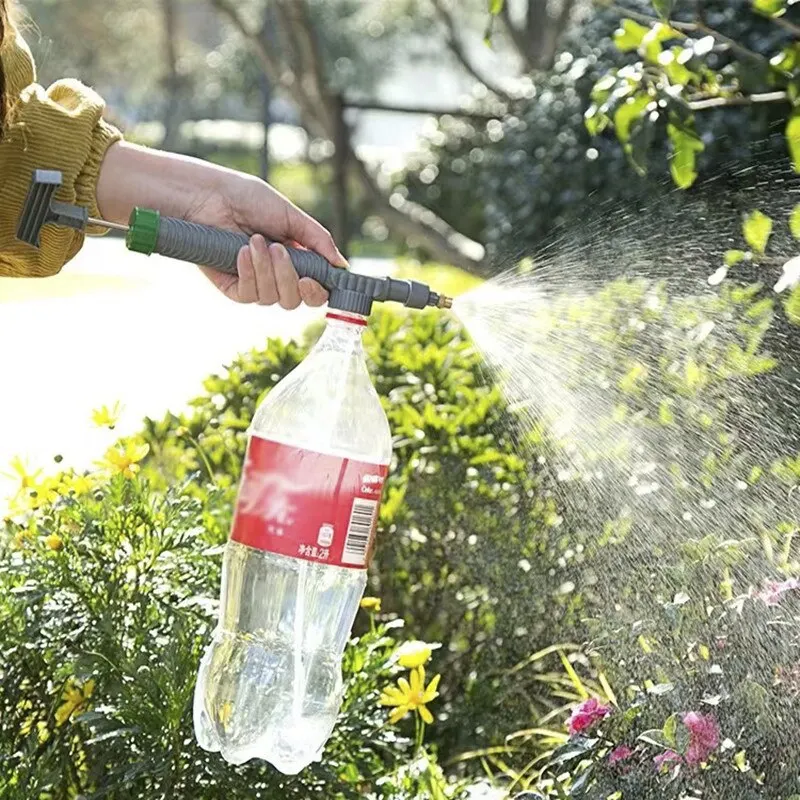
788, 58
663, 7
794, 221
630, 111
496, 6
740, 760
672, 62
595, 120
770, 8
654, 737
793, 139
733, 257
651, 42
792, 306
685, 146
670, 728
756, 229
630, 35
665, 415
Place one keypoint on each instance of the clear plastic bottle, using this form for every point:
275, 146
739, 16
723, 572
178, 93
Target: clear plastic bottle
270, 683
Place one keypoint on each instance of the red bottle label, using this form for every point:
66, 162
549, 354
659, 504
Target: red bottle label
308, 505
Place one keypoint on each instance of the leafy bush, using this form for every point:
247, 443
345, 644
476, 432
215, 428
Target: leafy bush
609, 562
512, 181
109, 597
494, 544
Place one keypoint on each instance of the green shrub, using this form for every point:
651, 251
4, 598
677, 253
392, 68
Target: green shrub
535, 560
492, 542
109, 596
511, 182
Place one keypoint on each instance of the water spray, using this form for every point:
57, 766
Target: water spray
149, 232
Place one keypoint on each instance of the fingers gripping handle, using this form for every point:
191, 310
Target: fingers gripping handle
149, 232
214, 247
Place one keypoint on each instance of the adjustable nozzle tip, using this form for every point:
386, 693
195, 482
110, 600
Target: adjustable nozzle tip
445, 301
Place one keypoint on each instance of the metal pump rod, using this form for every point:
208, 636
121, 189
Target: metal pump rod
148, 232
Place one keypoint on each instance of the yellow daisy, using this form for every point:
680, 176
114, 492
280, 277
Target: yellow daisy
105, 417
411, 696
123, 459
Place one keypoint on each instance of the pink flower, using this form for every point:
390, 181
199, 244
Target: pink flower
667, 759
773, 591
587, 714
619, 754
703, 737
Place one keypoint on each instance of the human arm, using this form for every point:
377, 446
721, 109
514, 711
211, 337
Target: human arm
196, 190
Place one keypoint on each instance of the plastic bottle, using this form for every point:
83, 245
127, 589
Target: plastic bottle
294, 570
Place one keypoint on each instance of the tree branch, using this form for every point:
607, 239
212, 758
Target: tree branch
556, 28
406, 108
739, 100
693, 27
421, 226
279, 74
457, 49
300, 27
172, 78
518, 38
405, 218
536, 25
781, 22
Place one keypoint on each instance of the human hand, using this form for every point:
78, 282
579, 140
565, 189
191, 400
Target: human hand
196, 190
266, 275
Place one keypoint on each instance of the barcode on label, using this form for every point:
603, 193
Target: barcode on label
362, 518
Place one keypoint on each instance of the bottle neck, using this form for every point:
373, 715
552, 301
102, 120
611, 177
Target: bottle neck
343, 332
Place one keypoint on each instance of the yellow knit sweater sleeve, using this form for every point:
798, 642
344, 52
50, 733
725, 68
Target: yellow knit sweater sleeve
60, 128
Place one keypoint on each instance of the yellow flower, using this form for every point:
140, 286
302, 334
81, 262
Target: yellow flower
75, 699
411, 696
104, 417
122, 459
80, 484
36, 495
413, 654
19, 472
53, 541
371, 604
26, 495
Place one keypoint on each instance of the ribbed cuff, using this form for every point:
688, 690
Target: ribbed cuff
103, 136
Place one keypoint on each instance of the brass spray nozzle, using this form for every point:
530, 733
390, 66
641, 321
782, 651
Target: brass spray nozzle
445, 301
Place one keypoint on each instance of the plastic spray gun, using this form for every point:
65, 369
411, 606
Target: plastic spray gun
149, 232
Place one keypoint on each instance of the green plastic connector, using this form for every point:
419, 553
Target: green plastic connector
143, 228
